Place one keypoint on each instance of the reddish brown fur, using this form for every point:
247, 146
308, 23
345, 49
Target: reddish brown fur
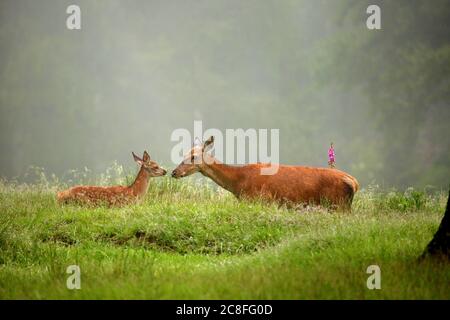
115, 195
290, 185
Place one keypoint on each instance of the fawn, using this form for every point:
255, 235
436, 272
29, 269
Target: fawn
290, 185
115, 195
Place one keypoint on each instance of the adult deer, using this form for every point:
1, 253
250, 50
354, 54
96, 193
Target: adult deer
290, 185
116, 195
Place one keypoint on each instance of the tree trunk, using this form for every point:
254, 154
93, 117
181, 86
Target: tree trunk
439, 245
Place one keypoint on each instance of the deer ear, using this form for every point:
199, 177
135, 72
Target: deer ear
137, 159
197, 142
146, 157
208, 144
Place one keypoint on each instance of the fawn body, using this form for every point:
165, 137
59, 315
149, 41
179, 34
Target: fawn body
115, 195
290, 185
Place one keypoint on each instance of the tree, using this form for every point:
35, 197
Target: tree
439, 246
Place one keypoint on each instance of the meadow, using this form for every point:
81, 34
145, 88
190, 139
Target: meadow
189, 240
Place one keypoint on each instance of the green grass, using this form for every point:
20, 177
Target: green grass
188, 240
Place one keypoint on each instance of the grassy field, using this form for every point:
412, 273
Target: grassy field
188, 240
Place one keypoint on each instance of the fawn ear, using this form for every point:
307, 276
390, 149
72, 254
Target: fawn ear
208, 144
137, 159
146, 157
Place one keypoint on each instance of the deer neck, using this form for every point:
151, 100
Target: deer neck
140, 184
224, 175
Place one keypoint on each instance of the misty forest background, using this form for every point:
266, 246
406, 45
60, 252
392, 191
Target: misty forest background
140, 69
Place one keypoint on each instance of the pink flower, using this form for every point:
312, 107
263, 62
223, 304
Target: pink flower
331, 154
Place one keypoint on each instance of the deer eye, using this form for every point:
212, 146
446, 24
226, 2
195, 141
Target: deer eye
194, 158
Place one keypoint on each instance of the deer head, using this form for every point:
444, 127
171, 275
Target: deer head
149, 165
195, 159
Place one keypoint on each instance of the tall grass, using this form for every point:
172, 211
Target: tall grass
190, 239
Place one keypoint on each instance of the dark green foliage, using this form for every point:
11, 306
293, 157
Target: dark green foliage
414, 200
137, 71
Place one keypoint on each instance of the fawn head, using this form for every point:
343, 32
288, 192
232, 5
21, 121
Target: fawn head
149, 165
194, 159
